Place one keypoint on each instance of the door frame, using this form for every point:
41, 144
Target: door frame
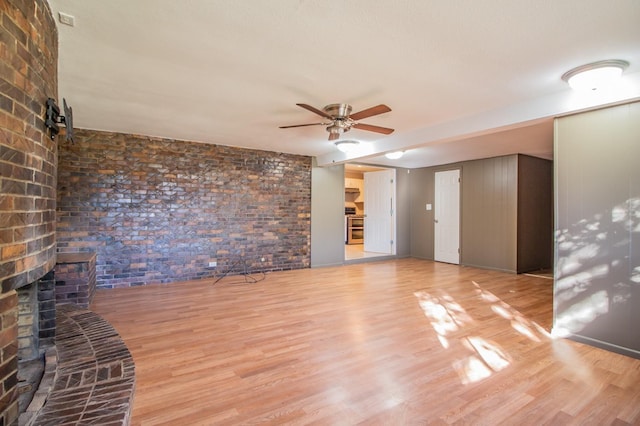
361, 168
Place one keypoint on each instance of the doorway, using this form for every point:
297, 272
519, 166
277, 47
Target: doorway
369, 194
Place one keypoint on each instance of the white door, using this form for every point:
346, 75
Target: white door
447, 217
379, 209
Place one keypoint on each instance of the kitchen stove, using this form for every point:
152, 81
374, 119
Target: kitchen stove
354, 226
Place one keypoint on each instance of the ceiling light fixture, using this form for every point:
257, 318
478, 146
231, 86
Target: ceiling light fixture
596, 75
394, 155
346, 146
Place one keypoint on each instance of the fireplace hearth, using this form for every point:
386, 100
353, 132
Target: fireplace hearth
72, 366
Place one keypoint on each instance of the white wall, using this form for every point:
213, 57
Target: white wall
597, 231
327, 215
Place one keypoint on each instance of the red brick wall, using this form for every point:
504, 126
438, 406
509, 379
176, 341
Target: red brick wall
28, 76
8, 357
75, 277
157, 210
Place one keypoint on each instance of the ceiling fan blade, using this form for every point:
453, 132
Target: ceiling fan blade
334, 136
369, 112
315, 110
371, 128
302, 125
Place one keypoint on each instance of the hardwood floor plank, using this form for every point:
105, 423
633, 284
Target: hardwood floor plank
393, 342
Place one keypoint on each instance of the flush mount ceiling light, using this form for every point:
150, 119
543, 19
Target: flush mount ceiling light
346, 146
596, 75
394, 155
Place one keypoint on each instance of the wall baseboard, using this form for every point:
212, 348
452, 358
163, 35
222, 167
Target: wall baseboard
603, 345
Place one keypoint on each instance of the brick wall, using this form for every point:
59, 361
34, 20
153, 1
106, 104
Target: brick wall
157, 210
27, 154
36, 317
28, 76
47, 309
8, 357
75, 278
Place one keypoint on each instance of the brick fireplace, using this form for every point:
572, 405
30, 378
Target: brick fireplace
36, 317
28, 173
36, 333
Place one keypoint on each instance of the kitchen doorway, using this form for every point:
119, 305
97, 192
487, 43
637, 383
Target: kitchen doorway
356, 219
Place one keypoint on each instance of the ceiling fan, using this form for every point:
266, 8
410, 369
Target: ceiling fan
341, 119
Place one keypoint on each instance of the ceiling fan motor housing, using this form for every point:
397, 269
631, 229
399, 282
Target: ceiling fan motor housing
341, 122
338, 110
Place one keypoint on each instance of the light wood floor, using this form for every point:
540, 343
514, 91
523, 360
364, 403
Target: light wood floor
383, 343
356, 251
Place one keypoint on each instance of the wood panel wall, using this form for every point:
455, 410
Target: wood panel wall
489, 213
535, 214
506, 216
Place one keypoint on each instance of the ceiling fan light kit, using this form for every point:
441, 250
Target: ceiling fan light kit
341, 119
596, 75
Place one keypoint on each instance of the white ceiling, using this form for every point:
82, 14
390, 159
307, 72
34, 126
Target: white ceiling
465, 79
